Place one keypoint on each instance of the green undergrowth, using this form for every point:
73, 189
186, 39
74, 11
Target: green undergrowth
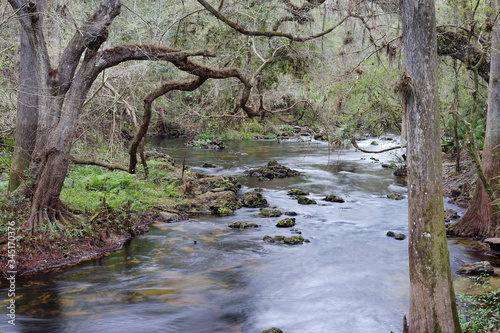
480, 308
87, 187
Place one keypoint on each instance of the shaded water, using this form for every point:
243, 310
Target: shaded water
201, 276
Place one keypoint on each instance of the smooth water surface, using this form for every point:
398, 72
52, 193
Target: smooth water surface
202, 276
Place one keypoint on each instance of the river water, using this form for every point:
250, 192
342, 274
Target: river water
202, 276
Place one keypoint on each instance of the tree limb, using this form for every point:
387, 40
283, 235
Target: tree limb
109, 166
355, 144
244, 31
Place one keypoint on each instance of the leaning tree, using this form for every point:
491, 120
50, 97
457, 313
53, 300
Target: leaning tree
61, 90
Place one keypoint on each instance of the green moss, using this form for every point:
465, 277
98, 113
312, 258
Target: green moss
334, 198
297, 191
306, 201
243, 225
270, 212
286, 223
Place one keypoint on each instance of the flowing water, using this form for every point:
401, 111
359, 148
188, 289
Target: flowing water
202, 276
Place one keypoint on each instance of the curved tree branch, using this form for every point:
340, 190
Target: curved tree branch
244, 31
457, 46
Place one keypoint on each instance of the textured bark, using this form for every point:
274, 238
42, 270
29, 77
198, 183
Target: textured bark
432, 300
26, 117
482, 218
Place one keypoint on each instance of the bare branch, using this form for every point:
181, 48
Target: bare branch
244, 31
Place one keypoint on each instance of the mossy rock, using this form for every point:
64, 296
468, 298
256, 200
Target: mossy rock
272, 170
243, 225
293, 240
209, 165
286, 223
270, 212
334, 198
395, 196
254, 199
297, 192
273, 330
306, 201
222, 203
205, 183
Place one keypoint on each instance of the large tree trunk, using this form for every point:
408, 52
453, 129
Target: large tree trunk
482, 218
26, 117
432, 300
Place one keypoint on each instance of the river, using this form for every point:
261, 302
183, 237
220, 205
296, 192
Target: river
202, 276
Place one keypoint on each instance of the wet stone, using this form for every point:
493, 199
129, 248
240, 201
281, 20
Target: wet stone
334, 198
286, 223
476, 268
306, 201
395, 235
270, 212
243, 225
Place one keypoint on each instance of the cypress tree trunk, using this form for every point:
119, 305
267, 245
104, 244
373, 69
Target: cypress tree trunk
432, 300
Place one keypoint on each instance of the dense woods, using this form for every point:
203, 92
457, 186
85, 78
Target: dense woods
86, 82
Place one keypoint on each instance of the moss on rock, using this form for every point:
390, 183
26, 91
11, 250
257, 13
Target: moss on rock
306, 201
254, 199
286, 223
270, 212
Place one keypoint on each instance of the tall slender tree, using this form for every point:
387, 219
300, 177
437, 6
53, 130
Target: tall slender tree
432, 300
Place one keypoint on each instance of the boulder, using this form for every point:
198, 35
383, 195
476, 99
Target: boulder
273, 330
286, 223
395, 196
334, 198
476, 268
243, 225
398, 236
494, 243
450, 214
294, 240
306, 201
271, 171
297, 192
270, 212
254, 199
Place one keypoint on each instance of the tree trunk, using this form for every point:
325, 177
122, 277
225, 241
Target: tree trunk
432, 300
482, 219
26, 117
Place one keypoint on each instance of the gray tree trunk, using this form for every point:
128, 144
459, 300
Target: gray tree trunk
432, 300
26, 117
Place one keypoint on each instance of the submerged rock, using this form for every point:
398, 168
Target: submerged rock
494, 244
395, 196
254, 199
306, 201
273, 330
398, 236
476, 268
450, 214
286, 223
334, 198
297, 192
293, 240
271, 171
239, 224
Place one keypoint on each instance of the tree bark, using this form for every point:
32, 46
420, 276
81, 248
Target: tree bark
26, 117
482, 219
432, 300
